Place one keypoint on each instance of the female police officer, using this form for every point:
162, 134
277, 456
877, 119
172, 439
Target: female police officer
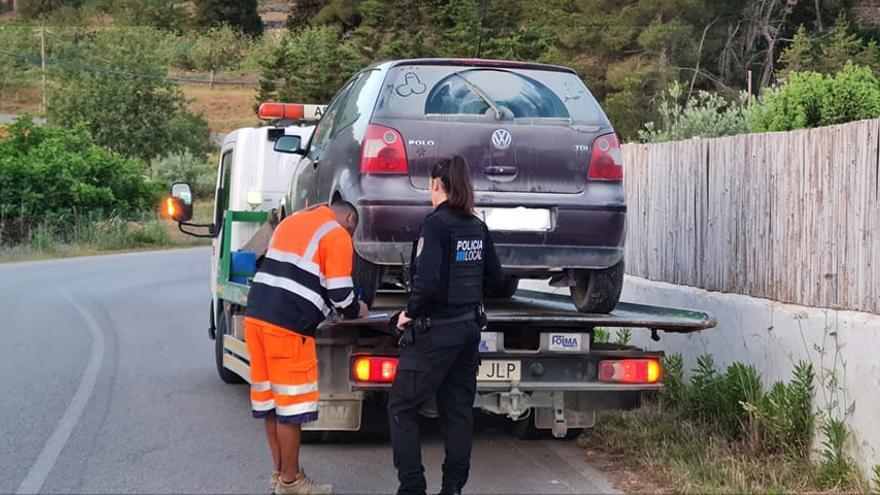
452, 260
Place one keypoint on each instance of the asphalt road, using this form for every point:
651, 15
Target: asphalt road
108, 386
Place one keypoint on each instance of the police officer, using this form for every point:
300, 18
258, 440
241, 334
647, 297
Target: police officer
452, 259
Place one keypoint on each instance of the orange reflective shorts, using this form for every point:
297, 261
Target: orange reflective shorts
284, 373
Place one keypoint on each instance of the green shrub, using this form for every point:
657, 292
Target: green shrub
184, 167
674, 386
810, 99
786, 415
702, 114
51, 175
836, 469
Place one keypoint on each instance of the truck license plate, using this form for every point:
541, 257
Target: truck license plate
499, 371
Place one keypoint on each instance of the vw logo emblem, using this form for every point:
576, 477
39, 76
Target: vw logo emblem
501, 139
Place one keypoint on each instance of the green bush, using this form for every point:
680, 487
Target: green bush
702, 114
810, 99
184, 167
50, 175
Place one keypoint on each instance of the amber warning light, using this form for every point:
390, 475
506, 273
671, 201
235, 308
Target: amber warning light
290, 111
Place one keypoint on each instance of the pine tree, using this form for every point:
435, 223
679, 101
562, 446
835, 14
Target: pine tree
800, 56
240, 14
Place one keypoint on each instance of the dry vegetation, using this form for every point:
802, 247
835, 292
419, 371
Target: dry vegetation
226, 107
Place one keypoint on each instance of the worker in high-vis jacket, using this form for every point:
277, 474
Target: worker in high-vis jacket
305, 273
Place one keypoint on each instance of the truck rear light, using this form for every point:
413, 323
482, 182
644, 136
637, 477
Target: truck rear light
383, 151
606, 161
374, 369
630, 371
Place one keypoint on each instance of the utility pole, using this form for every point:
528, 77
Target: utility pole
43, 63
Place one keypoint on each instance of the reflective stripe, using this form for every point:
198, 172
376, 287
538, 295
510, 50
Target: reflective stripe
339, 283
260, 386
293, 287
294, 259
316, 238
263, 405
305, 407
348, 300
295, 389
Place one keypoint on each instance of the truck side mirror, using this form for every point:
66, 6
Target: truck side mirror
289, 144
179, 205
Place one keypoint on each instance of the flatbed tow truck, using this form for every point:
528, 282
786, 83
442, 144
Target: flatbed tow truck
541, 365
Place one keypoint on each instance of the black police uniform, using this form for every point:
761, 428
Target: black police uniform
452, 260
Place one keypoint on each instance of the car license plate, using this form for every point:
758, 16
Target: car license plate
516, 219
499, 371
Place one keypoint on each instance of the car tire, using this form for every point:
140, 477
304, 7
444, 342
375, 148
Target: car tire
505, 291
365, 276
597, 291
224, 323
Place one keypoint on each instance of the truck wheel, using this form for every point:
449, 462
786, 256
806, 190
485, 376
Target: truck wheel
224, 326
505, 291
365, 276
597, 291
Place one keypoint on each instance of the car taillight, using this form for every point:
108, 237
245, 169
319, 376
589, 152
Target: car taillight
630, 371
374, 369
606, 161
383, 151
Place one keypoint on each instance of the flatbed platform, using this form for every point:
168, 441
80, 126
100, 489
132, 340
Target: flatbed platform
539, 309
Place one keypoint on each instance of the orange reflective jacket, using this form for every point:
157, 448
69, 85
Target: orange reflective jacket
306, 271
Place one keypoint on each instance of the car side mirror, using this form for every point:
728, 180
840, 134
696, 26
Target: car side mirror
179, 205
289, 144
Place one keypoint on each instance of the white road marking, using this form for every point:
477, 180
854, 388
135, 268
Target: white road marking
37, 474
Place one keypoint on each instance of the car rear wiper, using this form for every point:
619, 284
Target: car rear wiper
477, 91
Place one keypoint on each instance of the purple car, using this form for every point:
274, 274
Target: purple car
544, 160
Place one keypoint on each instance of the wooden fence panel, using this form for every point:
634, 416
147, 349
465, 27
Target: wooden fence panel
793, 217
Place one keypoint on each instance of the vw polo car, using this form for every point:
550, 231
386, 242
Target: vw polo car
544, 160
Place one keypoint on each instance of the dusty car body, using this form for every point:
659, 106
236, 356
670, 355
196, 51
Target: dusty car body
545, 162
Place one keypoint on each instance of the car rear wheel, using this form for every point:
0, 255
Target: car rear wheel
365, 276
505, 291
597, 291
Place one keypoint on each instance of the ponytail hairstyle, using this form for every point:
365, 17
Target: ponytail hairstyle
455, 177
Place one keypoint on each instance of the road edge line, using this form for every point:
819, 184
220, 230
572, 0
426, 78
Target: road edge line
39, 471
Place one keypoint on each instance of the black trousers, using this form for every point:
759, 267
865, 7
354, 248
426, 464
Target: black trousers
441, 363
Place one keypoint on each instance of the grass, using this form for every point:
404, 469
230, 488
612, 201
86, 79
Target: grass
226, 107
106, 236
723, 432
676, 454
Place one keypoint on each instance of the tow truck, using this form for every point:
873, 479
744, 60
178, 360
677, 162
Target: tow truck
542, 366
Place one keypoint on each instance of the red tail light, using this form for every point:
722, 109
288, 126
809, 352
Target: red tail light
606, 161
383, 151
374, 369
630, 371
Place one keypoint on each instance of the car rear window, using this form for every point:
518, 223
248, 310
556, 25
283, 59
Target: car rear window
464, 93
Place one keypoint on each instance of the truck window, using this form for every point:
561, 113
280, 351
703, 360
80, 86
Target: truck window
221, 203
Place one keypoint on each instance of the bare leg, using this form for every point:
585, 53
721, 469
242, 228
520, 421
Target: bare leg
289, 439
272, 437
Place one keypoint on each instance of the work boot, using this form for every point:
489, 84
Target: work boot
276, 477
302, 485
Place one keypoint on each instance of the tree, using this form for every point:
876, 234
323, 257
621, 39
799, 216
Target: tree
240, 14
311, 64
218, 48
115, 84
302, 12
802, 55
36, 9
